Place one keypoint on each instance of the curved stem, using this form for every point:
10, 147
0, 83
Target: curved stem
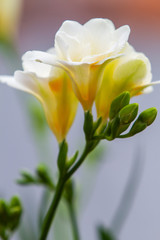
73, 221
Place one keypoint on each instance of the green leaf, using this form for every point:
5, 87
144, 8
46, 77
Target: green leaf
118, 103
128, 113
62, 156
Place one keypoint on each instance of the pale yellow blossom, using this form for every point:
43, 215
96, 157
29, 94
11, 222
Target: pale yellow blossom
53, 88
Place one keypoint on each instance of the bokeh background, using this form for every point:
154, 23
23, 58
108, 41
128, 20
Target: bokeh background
101, 182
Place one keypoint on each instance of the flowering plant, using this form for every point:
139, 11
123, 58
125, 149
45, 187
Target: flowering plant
90, 64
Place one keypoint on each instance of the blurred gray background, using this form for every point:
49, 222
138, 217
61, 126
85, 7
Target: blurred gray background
104, 182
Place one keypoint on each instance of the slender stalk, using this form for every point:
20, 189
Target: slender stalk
52, 209
58, 193
73, 221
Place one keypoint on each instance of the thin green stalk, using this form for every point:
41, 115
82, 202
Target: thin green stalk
58, 193
52, 209
73, 221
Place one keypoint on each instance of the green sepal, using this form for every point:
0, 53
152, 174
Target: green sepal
118, 103
105, 234
88, 125
96, 124
115, 125
72, 160
62, 156
128, 113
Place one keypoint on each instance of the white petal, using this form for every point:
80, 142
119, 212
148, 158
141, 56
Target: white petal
22, 81
99, 26
37, 55
27, 82
42, 57
40, 69
72, 28
121, 36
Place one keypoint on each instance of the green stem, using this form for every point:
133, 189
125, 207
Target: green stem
52, 209
73, 221
58, 193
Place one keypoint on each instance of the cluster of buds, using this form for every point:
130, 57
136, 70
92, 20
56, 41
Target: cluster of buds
10, 215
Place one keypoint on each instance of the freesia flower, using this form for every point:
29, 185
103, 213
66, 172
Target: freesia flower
83, 51
9, 16
53, 88
131, 72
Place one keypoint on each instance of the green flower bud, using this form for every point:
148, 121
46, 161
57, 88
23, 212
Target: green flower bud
118, 103
128, 113
145, 119
43, 175
15, 212
4, 213
148, 116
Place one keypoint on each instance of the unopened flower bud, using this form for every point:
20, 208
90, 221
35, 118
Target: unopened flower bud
118, 103
128, 113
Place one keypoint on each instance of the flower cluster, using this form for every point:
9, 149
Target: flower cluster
90, 63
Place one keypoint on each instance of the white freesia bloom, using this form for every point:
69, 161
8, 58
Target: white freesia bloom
83, 52
52, 87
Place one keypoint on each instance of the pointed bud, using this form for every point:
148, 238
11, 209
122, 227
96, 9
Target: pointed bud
148, 116
15, 212
128, 113
145, 119
118, 103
